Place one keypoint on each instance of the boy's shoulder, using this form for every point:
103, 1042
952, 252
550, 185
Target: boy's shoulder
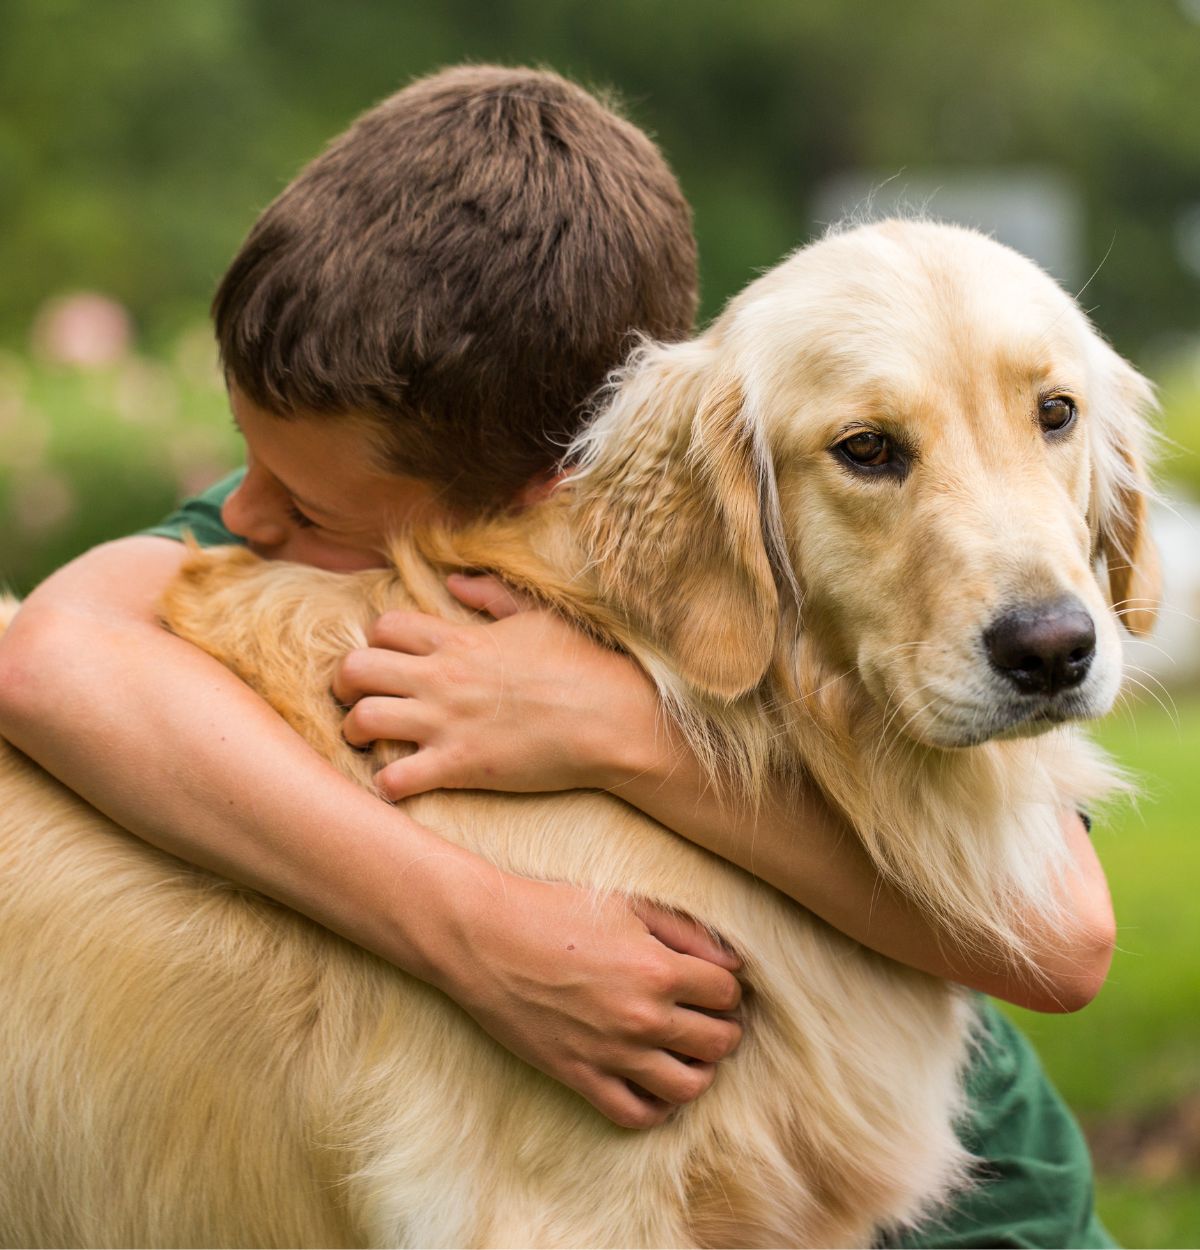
200, 516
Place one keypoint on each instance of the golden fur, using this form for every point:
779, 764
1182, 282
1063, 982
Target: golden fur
189, 1063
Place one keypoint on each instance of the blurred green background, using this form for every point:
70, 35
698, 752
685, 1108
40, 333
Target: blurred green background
138, 140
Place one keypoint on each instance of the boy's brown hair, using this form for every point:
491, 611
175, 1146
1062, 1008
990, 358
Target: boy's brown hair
464, 265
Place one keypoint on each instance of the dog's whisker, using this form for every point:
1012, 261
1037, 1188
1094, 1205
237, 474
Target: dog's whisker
1170, 712
1166, 609
1149, 678
1137, 668
1103, 260
1155, 647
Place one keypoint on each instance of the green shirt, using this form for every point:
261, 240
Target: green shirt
201, 516
1035, 1178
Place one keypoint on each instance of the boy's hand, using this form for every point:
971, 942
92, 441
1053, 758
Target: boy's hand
610, 997
525, 703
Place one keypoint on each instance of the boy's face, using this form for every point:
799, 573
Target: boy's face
313, 492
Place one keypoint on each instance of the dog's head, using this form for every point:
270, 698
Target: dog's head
913, 434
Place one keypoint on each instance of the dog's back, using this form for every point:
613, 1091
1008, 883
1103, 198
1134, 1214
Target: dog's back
192, 1064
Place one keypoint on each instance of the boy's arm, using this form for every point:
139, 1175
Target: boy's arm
173, 747
529, 703
803, 848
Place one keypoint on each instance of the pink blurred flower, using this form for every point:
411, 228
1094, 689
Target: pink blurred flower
84, 329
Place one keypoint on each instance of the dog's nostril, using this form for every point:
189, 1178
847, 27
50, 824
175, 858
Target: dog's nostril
1044, 648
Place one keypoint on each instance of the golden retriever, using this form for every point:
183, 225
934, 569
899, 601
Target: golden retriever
874, 528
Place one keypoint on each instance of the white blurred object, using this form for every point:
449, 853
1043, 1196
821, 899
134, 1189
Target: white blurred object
1172, 654
1037, 211
84, 329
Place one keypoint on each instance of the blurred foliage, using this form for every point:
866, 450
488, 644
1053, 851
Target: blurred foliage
1179, 394
138, 140
90, 455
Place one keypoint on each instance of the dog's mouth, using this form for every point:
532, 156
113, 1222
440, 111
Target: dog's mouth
1016, 721
972, 723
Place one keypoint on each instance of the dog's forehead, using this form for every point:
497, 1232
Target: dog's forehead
892, 306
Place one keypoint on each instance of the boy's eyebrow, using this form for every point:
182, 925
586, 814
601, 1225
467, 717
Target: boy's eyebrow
307, 504
304, 503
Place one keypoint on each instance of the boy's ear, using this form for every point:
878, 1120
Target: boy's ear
1121, 490
672, 496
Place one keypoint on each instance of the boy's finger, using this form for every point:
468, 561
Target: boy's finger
617, 1099
413, 632
698, 1035
707, 987
685, 935
665, 1077
486, 593
415, 774
371, 670
380, 718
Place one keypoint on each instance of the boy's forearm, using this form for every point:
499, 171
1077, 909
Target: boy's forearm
176, 749
160, 737
801, 846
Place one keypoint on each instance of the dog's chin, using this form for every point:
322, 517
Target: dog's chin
1005, 719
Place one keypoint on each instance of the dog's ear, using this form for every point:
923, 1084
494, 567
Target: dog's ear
1121, 489
673, 489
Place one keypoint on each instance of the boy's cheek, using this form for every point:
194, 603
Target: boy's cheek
347, 561
322, 554
338, 559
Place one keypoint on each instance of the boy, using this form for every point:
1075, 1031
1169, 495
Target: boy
415, 326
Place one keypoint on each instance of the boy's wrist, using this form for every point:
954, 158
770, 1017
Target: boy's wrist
636, 741
436, 891
645, 755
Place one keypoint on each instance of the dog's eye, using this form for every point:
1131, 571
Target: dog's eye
867, 449
1056, 414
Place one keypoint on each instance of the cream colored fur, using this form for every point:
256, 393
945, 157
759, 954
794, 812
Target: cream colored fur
188, 1063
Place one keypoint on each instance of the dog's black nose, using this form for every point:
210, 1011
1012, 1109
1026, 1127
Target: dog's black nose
1044, 648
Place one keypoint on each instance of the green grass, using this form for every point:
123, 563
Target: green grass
1144, 1214
1137, 1047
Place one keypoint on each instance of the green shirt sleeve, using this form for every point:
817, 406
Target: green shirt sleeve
1034, 1176
201, 516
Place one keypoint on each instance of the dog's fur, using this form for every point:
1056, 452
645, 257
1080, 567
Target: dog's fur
188, 1063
